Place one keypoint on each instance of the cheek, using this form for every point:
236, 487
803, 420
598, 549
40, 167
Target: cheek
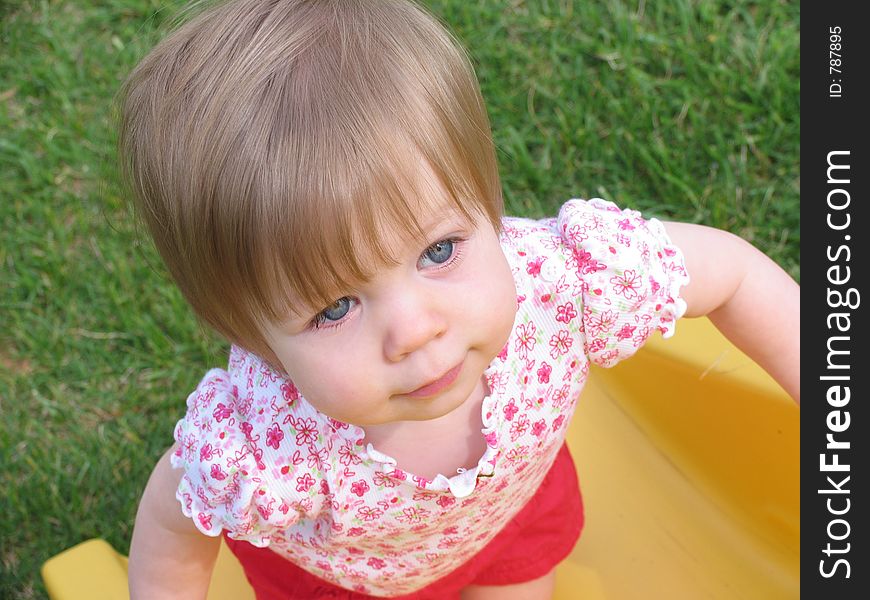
336, 384
495, 299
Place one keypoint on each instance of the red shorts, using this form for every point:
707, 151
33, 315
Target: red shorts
538, 538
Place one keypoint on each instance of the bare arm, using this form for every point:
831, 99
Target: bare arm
169, 557
749, 298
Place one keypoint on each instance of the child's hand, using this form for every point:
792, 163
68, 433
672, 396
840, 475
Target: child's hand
746, 295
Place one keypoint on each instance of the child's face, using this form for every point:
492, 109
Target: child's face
413, 342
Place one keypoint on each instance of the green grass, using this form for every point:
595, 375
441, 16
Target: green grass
687, 110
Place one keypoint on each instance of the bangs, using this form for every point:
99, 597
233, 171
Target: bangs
335, 241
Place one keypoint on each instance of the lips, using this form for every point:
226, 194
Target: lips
433, 387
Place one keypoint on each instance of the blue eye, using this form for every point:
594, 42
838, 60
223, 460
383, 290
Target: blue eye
335, 312
439, 252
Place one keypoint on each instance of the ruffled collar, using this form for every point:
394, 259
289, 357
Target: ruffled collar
461, 484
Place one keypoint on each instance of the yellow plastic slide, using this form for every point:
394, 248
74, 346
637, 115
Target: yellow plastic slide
688, 456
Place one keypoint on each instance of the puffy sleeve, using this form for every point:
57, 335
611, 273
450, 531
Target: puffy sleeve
629, 276
225, 484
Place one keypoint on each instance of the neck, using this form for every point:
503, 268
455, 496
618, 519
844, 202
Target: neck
456, 437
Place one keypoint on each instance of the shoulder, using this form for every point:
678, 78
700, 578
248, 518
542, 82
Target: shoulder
240, 451
616, 269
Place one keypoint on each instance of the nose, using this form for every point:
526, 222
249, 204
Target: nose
412, 317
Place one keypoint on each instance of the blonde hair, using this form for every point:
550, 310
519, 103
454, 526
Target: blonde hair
268, 144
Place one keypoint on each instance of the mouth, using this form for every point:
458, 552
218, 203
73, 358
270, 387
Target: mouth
433, 387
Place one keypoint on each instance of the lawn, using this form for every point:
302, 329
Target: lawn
686, 110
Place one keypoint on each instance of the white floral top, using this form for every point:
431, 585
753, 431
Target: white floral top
263, 464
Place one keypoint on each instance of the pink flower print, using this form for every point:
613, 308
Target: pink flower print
599, 323
244, 405
519, 427
497, 382
641, 337
627, 284
445, 501
539, 427
560, 396
238, 456
559, 343
289, 391
625, 225
503, 354
274, 435
623, 239
424, 496
189, 447
204, 520
544, 373
383, 480
247, 428
575, 235
566, 312
412, 514
337, 425
511, 232
510, 410
356, 531
200, 493
491, 439
654, 286
626, 332
533, 267
359, 487
398, 474
266, 510
420, 481
304, 483
518, 454
583, 262
207, 452
318, 459
323, 565
217, 473
267, 375
221, 412
449, 542
376, 563
607, 358
557, 423
306, 431
525, 341
597, 345
347, 456
258, 457
369, 513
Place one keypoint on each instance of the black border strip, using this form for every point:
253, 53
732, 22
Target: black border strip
835, 226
